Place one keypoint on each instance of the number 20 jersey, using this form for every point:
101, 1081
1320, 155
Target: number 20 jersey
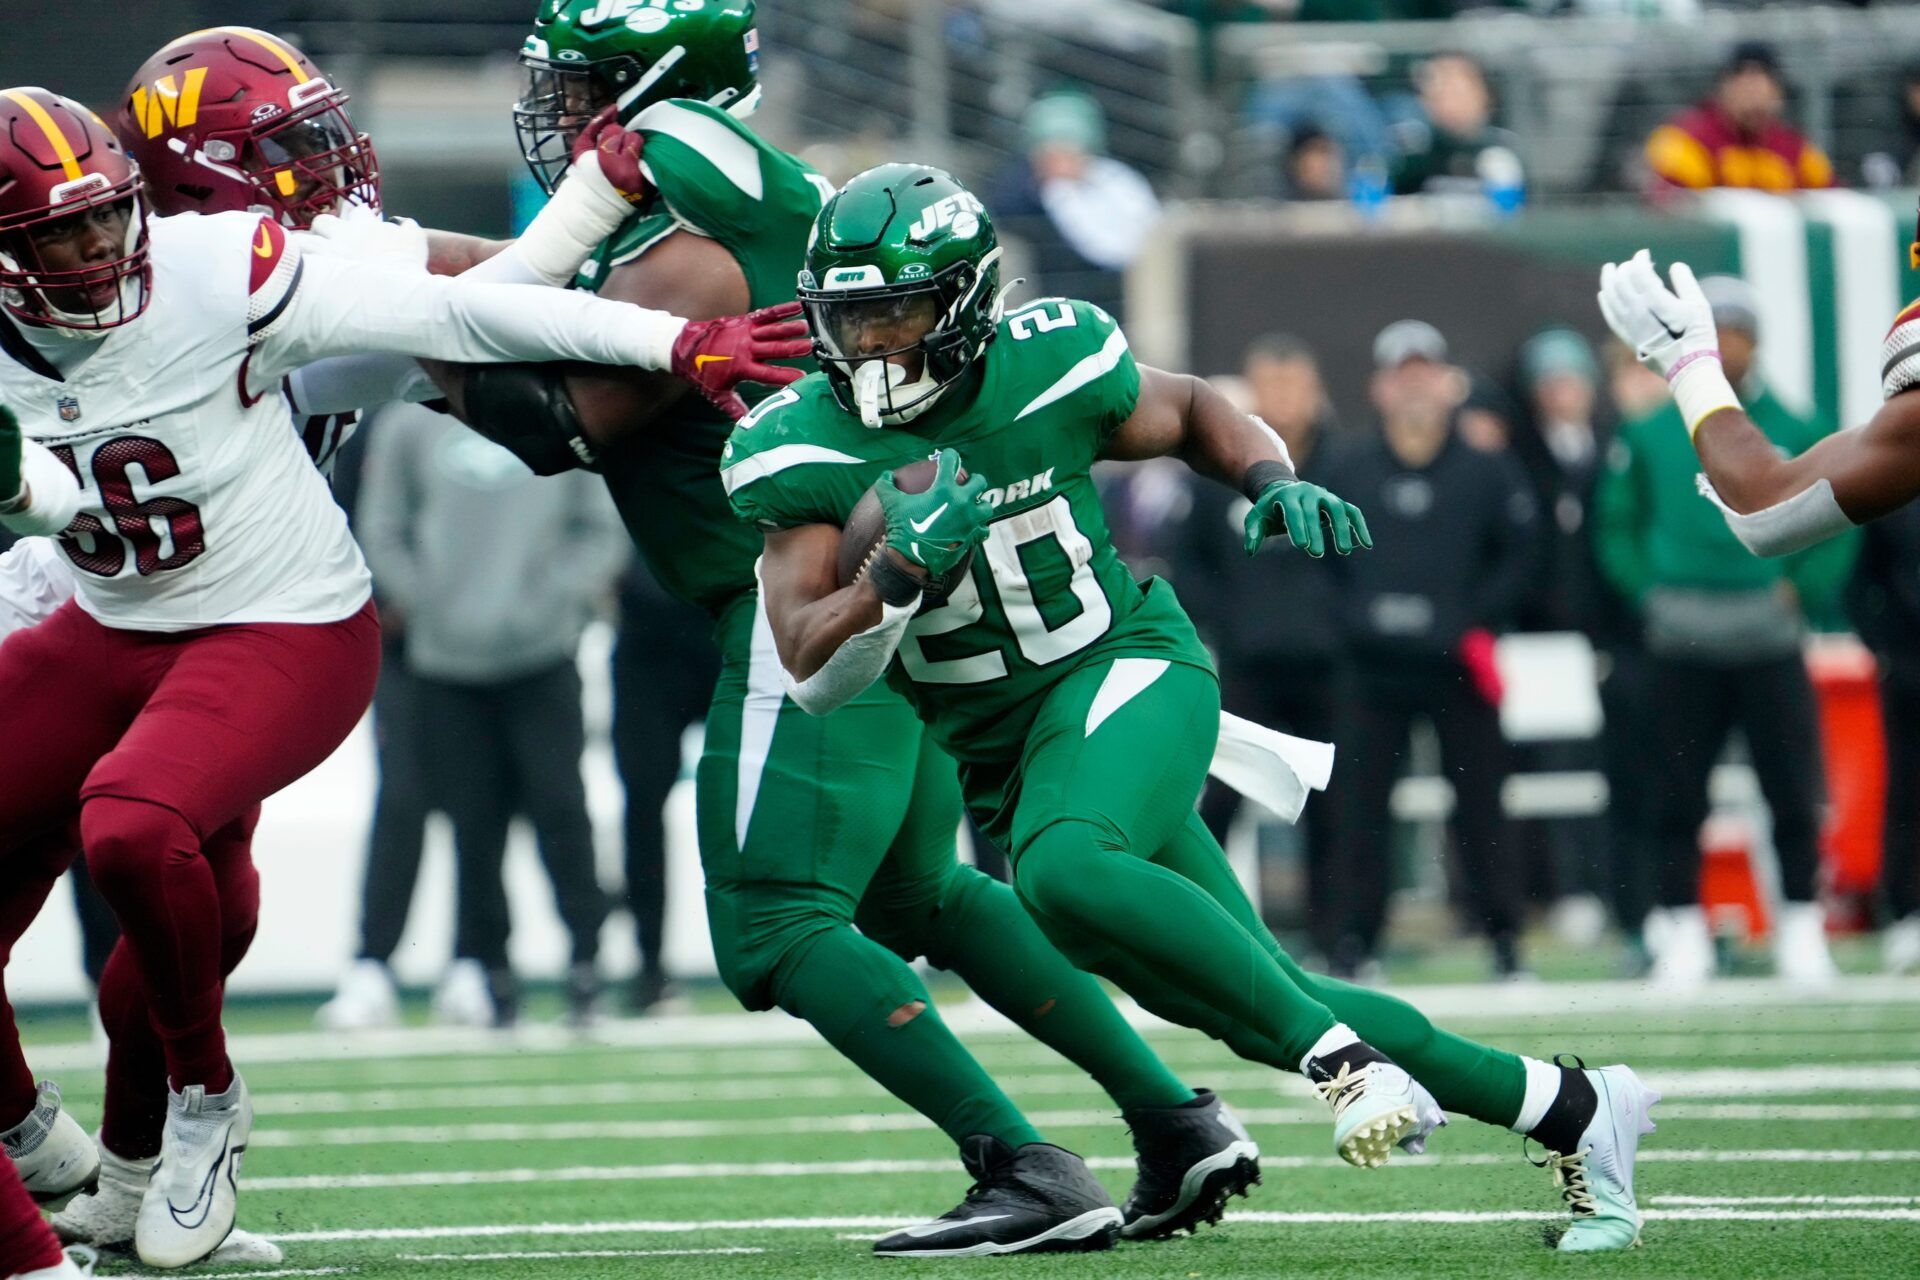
199, 504
1047, 593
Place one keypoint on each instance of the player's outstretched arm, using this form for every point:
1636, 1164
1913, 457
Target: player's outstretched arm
1182, 416
835, 641
1775, 504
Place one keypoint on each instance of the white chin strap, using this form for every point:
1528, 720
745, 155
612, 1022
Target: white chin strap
878, 382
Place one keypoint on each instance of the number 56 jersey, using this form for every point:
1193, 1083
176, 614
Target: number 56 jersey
200, 506
1047, 593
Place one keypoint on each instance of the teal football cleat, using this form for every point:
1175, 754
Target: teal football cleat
1376, 1107
1596, 1177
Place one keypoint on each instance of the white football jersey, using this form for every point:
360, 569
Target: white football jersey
200, 505
35, 579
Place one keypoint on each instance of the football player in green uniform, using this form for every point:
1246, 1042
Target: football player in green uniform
809, 827
1080, 704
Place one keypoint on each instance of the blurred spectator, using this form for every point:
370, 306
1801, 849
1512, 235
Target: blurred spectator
494, 575
1899, 165
1316, 167
1272, 619
1083, 214
664, 668
1486, 416
1452, 528
1884, 603
1737, 137
1723, 630
1456, 147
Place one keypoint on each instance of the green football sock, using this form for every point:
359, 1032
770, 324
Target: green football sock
983, 935
1471, 1079
1116, 904
854, 991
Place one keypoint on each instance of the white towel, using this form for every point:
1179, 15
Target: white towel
1273, 769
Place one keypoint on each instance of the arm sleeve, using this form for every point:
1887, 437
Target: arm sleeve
383, 519
53, 492
1510, 545
34, 581
346, 384
335, 306
1620, 521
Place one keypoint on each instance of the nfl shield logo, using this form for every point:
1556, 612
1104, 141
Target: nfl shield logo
69, 408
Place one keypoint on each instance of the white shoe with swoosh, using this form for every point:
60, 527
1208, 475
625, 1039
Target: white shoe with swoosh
189, 1206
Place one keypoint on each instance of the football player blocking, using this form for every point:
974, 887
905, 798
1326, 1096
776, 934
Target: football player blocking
809, 826
1079, 703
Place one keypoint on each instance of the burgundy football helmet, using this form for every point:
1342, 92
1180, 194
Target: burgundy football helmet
234, 118
73, 225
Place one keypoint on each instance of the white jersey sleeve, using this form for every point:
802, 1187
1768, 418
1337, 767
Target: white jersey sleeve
1900, 354
34, 581
314, 306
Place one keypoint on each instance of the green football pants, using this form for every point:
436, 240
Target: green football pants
1114, 863
810, 826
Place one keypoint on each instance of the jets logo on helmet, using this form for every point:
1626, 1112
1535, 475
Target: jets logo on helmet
907, 297
234, 118
586, 55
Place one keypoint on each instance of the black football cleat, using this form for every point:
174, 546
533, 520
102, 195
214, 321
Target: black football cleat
1192, 1159
1032, 1199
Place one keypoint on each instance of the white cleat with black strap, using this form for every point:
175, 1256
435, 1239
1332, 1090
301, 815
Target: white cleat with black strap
193, 1195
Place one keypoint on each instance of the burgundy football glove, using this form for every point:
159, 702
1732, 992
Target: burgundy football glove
619, 155
716, 355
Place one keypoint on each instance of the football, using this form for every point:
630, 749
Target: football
866, 530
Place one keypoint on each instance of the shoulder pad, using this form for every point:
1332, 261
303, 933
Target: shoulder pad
1900, 355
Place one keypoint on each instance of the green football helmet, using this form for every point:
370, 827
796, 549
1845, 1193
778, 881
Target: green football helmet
903, 260
585, 55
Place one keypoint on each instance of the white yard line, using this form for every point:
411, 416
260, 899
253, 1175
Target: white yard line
570, 1254
1262, 1217
1560, 1001
250, 1275
1737, 1201
682, 1171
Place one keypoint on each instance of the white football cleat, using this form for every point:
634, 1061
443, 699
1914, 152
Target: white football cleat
1596, 1179
56, 1159
1682, 949
1900, 945
190, 1203
1376, 1108
105, 1218
1800, 954
365, 1001
464, 999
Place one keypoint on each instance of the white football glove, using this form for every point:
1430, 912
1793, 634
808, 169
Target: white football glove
369, 239
1662, 325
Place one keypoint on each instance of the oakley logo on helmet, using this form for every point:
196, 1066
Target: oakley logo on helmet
265, 111
167, 103
915, 271
960, 211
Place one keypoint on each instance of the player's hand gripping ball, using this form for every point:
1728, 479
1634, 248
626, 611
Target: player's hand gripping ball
864, 535
1303, 509
936, 527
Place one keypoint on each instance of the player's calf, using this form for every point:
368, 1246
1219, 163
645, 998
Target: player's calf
1376, 1105
1192, 1159
56, 1159
1036, 1198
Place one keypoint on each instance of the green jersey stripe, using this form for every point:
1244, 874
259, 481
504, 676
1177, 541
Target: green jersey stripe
777, 459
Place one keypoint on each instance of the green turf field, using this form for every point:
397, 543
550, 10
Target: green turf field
739, 1146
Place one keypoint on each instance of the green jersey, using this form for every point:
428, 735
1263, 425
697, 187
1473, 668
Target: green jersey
1046, 594
716, 179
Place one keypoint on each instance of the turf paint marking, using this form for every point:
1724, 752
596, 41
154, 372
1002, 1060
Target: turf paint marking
856, 1168
1444, 1217
571, 1254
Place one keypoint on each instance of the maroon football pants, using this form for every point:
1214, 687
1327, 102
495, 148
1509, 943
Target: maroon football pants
159, 741
26, 1241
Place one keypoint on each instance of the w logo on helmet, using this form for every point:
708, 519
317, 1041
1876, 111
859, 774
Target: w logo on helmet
166, 103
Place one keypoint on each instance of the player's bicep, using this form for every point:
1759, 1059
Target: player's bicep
1874, 469
685, 274
1157, 427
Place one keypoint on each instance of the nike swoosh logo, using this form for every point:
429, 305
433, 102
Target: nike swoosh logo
194, 1216
702, 361
1675, 334
926, 1229
265, 248
921, 526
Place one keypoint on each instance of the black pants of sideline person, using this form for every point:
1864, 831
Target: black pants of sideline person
1900, 868
1697, 706
496, 750
1295, 696
1378, 703
664, 668
1626, 701
399, 808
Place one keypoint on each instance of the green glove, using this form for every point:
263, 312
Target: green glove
9, 456
1300, 507
938, 527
